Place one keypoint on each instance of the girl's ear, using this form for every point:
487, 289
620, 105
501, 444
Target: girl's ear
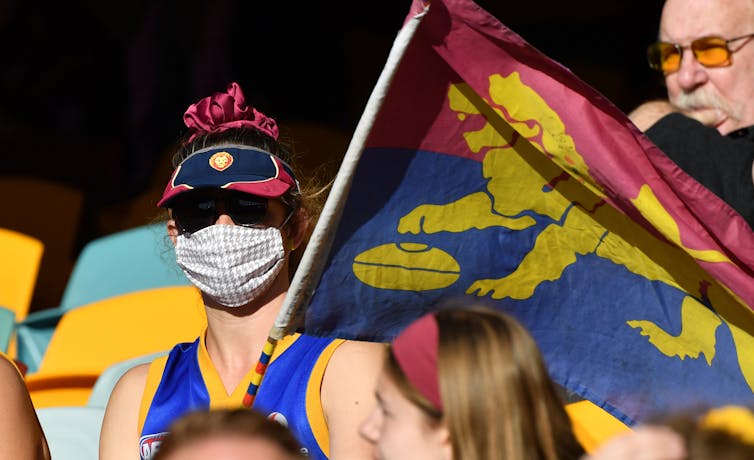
297, 231
443, 437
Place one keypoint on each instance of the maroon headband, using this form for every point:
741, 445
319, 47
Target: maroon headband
415, 350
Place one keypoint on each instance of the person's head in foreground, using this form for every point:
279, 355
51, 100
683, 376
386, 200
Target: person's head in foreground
468, 383
725, 433
706, 54
228, 434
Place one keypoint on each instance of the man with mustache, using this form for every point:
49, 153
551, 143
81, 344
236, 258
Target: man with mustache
706, 125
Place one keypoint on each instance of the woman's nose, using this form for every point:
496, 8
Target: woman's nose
224, 219
370, 427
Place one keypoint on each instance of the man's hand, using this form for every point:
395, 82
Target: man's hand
650, 112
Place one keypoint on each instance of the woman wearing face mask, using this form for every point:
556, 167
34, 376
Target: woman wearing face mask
236, 214
468, 384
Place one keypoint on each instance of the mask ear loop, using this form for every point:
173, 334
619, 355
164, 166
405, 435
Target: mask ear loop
287, 218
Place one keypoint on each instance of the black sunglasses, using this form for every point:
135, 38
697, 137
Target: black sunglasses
194, 210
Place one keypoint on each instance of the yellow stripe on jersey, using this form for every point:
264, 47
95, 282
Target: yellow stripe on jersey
314, 411
154, 376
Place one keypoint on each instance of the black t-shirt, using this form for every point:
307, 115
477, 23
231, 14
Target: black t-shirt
723, 164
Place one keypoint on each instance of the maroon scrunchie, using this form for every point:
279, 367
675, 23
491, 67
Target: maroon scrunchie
222, 111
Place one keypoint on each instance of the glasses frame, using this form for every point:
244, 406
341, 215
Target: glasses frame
655, 48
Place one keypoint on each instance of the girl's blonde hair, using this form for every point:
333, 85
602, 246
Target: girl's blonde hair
499, 401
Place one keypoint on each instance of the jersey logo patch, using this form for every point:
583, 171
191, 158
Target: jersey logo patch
149, 444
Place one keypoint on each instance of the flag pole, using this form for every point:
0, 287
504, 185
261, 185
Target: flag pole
312, 261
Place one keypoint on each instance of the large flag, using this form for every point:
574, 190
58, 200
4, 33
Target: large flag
483, 170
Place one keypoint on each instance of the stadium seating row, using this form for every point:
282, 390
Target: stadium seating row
125, 302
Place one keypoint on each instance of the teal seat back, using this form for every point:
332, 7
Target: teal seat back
105, 383
130, 260
7, 321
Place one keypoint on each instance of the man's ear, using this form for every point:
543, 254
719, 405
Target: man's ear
172, 230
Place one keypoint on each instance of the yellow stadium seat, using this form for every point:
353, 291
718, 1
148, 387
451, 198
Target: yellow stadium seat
91, 338
19, 267
19, 270
593, 425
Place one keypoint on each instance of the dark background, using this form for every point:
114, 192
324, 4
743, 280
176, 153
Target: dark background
92, 92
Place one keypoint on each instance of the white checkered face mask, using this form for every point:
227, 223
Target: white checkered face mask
230, 263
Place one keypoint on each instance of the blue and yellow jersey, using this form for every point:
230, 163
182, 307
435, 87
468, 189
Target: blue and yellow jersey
186, 380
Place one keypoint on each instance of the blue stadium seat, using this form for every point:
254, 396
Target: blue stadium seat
7, 320
107, 380
72, 432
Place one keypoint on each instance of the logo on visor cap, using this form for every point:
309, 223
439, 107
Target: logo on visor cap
221, 161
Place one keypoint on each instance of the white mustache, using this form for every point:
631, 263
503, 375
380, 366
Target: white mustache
703, 99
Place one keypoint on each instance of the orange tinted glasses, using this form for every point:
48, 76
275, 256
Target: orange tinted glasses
710, 51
